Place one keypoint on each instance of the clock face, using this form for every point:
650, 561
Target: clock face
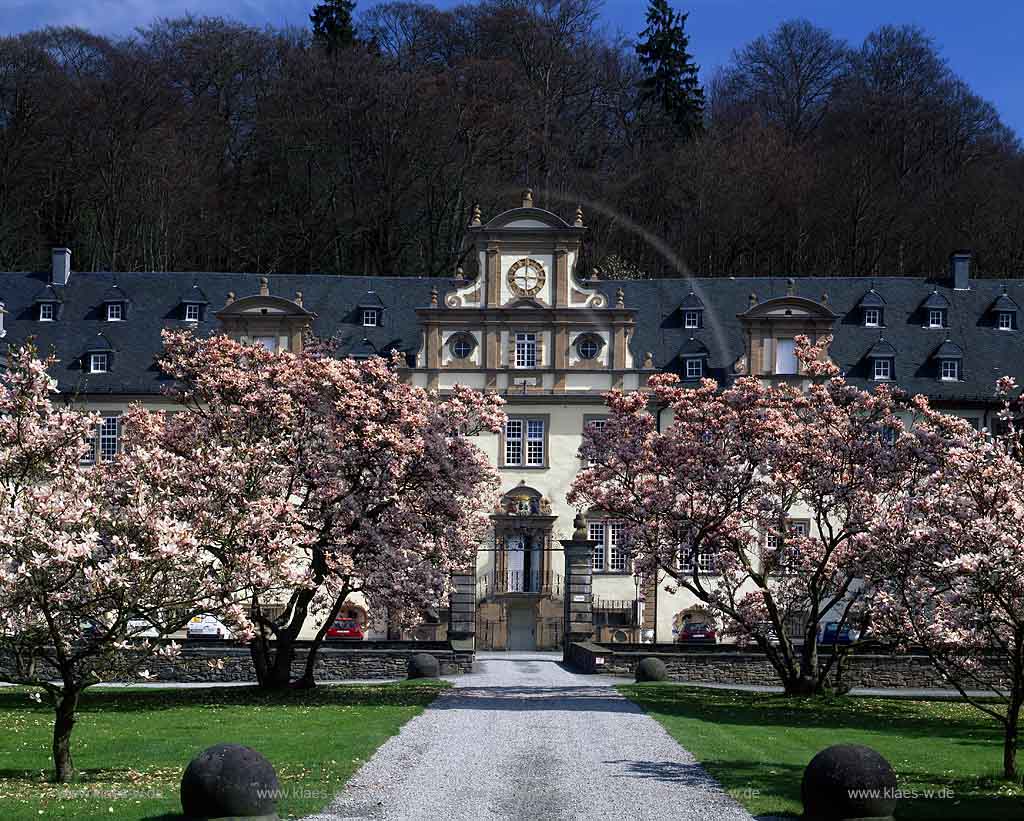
526, 277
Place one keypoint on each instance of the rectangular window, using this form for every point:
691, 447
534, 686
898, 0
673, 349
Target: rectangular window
98, 363
950, 370
1005, 321
514, 442
934, 319
369, 318
595, 532
871, 317
46, 312
526, 350
597, 424
705, 562
691, 319
114, 312
88, 456
883, 369
616, 548
785, 356
109, 438
192, 312
268, 343
694, 369
534, 442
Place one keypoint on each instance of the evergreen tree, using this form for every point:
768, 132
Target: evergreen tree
332, 24
670, 75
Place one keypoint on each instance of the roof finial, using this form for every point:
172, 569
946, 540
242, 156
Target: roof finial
595, 274
476, 215
231, 298
298, 298
790, 286
528, 198
459, 273
620, 298
579, 524
824, 297
433, 297
264, 287
648, 361
579, 216
753, 299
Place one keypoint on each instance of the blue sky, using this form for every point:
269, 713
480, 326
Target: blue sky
983, 40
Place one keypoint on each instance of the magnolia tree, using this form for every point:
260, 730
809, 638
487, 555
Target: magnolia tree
318, 478
762, 501
89, 558
952, 581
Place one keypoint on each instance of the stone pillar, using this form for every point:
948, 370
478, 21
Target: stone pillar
579, 600
462, 611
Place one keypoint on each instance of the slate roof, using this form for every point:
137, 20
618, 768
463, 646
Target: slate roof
872, 299
156, 304
882, 349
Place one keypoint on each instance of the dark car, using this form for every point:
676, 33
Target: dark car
831, 633
698, 632
348, 629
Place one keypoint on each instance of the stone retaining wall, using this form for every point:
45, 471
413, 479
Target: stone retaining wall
212, 663
736, 667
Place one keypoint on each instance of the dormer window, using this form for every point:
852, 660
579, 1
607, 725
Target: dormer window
950, 370
882, 361
950, 357
872, 317
1006, 320
694, 368
883, 369
115, 312
99, 363
936, 310
47, 312
872, 305
192, 312
693, 311
371, 317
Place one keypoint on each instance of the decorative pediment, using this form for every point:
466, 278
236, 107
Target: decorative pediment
529, 219
789, 307
263, 305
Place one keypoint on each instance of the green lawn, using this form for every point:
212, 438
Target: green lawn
757, 746
133, 745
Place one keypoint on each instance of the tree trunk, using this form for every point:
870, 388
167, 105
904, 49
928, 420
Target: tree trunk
64, 768
273, 663
1010, 747
307, 681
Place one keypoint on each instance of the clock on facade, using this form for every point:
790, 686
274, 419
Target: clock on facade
526, 277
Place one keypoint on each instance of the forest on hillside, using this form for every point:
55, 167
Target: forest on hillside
205, 144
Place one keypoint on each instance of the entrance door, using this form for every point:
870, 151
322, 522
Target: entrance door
521, 626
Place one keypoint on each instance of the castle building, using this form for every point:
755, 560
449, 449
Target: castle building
551, 340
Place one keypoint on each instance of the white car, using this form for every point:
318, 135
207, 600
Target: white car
141, 629
207, 627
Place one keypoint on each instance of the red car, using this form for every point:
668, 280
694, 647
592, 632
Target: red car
349, 629
698, 632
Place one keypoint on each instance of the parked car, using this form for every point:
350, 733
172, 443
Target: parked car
763, 628
831, 633
142, 629
346, 629
698, 632
207, 627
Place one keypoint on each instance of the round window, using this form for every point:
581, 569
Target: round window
461, 346
588, 347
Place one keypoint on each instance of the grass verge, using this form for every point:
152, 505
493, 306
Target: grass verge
131, 746
756, 745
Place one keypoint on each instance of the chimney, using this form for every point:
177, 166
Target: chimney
960, 264
61, 266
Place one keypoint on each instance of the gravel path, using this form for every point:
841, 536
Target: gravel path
524, 738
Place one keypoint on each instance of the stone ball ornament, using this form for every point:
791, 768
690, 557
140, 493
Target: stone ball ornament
230, 781
848, 782
651, 669
424, 665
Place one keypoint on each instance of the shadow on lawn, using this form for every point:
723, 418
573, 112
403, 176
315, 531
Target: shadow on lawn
104, 700
837, 713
